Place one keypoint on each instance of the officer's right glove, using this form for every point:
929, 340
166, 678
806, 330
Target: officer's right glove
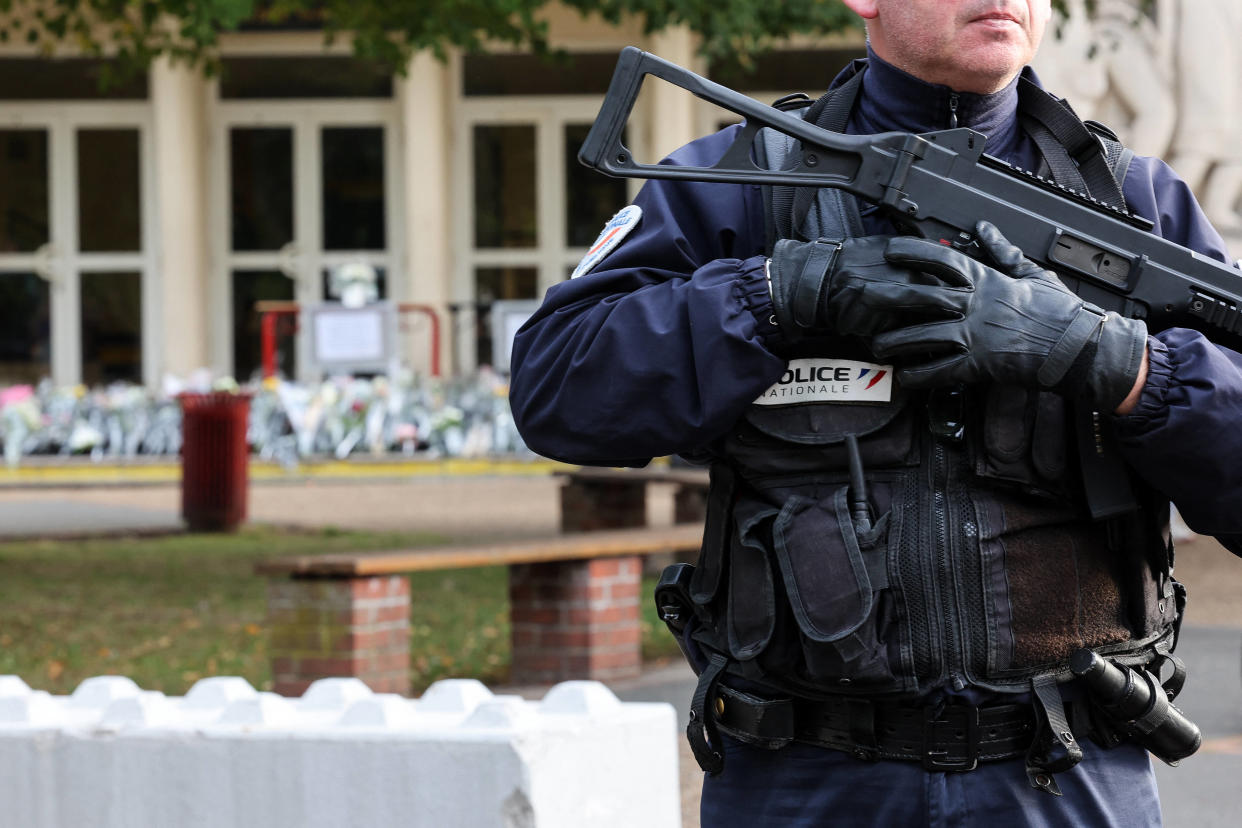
827, 288
1014, 322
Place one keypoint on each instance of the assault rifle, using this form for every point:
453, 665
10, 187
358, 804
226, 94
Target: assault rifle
937, 185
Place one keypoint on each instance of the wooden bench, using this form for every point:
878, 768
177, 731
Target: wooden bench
574, 604
599, 498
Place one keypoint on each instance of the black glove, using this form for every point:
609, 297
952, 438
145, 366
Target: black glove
1015, 323
826, 287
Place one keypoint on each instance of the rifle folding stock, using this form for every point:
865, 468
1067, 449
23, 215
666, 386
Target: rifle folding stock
938, 185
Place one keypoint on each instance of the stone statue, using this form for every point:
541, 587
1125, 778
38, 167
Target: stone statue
1167, 76
1114, 66
1207, 144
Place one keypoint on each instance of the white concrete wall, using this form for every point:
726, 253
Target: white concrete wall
112, 754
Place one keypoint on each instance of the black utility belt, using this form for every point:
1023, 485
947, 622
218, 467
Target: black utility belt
948, 737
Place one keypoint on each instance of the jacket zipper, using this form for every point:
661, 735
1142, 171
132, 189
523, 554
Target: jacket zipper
946, 572
953, 99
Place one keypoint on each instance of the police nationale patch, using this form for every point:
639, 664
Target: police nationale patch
617, 228
821, 380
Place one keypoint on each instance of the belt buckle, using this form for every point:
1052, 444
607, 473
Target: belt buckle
939, 760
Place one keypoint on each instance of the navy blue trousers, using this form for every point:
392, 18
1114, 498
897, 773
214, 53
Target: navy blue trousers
801, 785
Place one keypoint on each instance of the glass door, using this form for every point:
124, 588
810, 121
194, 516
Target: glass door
530, 211
76, 275
306, 189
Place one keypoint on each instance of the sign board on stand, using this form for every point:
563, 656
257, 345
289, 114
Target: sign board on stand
358, 340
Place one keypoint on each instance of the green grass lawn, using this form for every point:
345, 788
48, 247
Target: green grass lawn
169, 610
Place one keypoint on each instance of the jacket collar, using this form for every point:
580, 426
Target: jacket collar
894, 100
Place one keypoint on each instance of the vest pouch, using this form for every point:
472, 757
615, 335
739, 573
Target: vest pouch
833, 577
751, 609
1024, 440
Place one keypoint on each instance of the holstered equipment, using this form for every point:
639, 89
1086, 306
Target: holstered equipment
1135, 702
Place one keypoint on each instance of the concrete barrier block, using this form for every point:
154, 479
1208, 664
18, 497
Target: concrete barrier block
341, 755
217, 691
13, 686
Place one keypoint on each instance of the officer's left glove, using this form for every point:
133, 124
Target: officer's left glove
825, 288
1015, 323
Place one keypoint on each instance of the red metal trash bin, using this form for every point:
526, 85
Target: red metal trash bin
215, 459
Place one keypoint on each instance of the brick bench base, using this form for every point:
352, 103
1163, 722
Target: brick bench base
324, 627
570, 620
575, 620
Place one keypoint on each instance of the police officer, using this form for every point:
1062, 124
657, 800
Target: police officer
905, 539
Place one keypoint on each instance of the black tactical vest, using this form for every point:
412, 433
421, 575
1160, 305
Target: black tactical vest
888, 544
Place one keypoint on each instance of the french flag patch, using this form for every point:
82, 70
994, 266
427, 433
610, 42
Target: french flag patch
617, 228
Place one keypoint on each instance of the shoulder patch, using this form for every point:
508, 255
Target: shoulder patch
617, 228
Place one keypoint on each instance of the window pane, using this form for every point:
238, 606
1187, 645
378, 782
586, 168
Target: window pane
492, 283
504, 186
25, 328
586, 73
590, 197
250, 286
23, 190
61, 79
261, 176
111, 327
109, 212
303, 77
353, 188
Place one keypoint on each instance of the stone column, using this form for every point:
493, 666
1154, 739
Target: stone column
671, 116
426, 98
179, 150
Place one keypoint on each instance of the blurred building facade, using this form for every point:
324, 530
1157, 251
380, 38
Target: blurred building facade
141, 223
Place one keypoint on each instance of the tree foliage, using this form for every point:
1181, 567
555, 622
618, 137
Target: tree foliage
136, 31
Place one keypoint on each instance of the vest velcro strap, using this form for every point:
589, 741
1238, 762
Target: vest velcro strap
701, 732
1054, 748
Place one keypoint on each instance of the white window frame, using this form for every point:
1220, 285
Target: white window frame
59, 261
303, 259
551, 257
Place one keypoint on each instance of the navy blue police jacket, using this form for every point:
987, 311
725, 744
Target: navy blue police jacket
660, 347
